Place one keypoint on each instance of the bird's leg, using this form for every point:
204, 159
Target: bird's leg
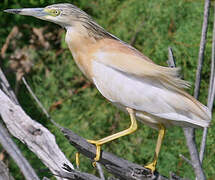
152, 165
131, 129
77, 161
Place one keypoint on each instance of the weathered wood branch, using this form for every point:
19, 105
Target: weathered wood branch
74, 174
8, 143
58, 172
16, 154
34, 135
4, 172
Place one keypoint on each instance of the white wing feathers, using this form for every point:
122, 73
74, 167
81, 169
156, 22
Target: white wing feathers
147, 87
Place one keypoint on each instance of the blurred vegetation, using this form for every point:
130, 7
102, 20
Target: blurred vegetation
74, 103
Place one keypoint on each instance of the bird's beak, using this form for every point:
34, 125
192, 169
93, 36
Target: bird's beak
36, 12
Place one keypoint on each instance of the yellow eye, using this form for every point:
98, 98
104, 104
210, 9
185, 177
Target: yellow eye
55, 12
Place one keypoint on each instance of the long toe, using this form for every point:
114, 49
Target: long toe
151, 166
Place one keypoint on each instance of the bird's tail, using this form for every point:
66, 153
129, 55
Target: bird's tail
201, 115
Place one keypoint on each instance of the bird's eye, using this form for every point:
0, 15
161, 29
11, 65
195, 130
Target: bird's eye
55, 12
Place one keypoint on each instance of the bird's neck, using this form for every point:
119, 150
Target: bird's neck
80, 44
78, 39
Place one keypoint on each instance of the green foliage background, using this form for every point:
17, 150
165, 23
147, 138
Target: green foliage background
166, 23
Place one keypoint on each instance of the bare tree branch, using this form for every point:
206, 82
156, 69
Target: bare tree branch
190, 132
211, 93
202, 48
187, 160
34, 135
16, 154
47, 153
6, 87
8, 143
171, 59
4, 172
134, 37
74, 174
194, 155
101, 173
38, 102
211, 85
190, 138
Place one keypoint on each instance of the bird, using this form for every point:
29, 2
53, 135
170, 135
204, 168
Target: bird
152, 94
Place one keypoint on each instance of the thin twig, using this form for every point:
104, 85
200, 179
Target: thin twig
212, 75
6, 87
100, 170
171, 59
39, 103
190, 132
202, 48
210, 94
134, 37
212, 62
4, 172
203, 143
187, 160
171, 63
190, 137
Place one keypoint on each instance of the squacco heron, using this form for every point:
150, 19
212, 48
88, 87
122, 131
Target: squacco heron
148, 92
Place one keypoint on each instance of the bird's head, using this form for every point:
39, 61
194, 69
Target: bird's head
62, 14
66, 15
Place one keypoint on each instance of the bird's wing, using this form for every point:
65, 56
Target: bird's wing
140, 67
164, 77
127, 59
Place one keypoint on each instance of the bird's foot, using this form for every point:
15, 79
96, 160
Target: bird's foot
151, 166
98, 151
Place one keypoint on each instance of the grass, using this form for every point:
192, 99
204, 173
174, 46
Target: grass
55, 77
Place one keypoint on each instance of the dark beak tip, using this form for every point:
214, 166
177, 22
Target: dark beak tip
13, 11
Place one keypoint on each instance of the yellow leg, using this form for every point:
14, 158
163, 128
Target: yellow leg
152, 165
131, 129
77, 161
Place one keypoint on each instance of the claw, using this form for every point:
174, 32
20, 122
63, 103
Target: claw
98, 151
151, 166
